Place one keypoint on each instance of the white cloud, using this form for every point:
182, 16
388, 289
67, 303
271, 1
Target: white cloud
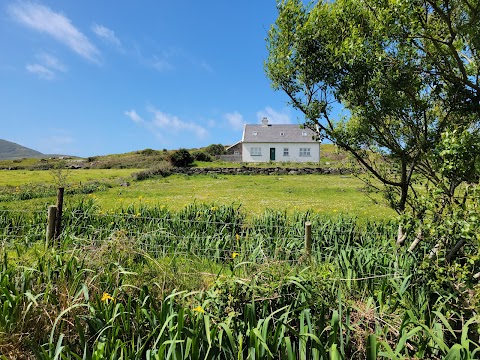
43, 19
106, 34
132, 114
41, 71
52, 62
171, 122
274, 117
47, 67
235, 120
166, 124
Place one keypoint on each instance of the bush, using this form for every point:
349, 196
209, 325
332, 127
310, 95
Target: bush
215, 149
148, 152
163, 169
201, 156
181, 158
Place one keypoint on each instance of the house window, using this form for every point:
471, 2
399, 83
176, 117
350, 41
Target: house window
236, 153
256, 151
285, 152
304, 152
255, 133
282, 134
304, 133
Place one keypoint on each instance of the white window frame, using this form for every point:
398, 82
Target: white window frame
286, 152
304, 152
256, 151
255, 133
304, 133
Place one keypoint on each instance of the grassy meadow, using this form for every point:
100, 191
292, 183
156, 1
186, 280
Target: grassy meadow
215, 267
326, 194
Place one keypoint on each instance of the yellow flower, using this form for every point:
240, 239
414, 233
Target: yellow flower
237, 237
199, 309
106, 297
234, 255
213, 208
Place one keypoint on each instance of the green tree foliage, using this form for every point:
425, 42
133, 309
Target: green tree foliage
201, 156
408, 74
181, 158
215, 149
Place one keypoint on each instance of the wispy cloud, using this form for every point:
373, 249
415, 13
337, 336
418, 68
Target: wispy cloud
51, 61
274, 117
132, 114
47, 66
163, 62
58, 141
171, 122
41, 71
106, 34
43, 19
235, 120
165, 124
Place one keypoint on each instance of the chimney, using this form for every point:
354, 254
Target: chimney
264, 122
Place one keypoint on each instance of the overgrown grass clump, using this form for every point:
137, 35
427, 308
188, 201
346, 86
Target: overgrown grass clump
210, 282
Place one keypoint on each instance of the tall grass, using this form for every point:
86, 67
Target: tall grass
210, 282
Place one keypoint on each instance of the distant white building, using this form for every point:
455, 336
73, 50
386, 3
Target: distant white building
279, 143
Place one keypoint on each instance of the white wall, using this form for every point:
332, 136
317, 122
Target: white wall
293, 150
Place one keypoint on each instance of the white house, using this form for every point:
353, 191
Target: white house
279, 143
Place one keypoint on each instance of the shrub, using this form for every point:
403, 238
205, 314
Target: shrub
163, 169
201, 156
181, 158
215, 149
148, 152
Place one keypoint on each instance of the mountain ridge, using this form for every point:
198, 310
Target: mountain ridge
11, 151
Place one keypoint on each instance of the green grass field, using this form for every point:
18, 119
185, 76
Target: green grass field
329, 194
216, 267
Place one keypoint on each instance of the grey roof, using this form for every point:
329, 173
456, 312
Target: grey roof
277, 133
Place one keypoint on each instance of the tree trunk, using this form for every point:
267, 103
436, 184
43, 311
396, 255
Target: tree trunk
417, 240
455, 249
401, 236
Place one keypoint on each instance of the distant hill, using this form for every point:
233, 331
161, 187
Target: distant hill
10, 150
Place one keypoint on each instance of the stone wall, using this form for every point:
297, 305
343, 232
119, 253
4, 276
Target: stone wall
246, 170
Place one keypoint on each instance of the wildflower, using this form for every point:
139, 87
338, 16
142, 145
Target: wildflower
138, 214
213, 208
237, 237
199, 309
112, 223
234, 255
106, 297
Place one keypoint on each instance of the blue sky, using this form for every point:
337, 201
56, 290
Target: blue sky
100, 77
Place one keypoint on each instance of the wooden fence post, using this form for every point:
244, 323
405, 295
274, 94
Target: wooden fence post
308, 238
58, 222
52, 215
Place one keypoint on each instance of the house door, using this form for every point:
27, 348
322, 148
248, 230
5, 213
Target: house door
272, 154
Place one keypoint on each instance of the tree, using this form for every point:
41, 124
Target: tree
407, 71
215, 149
181, 158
